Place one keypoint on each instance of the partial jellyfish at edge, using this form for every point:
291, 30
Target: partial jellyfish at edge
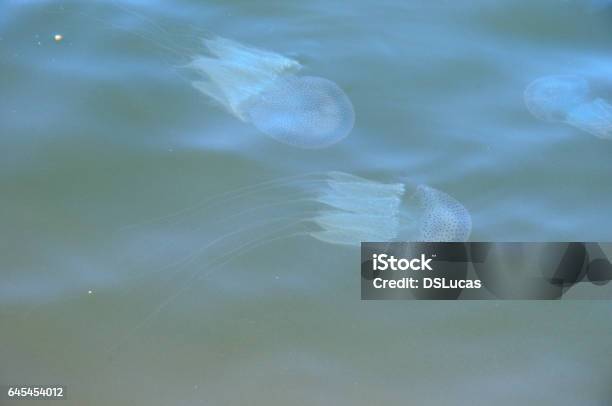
262, 88
569, 99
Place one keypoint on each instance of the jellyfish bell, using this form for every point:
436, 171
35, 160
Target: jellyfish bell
260, 87
306, 111
551, 97
443, 218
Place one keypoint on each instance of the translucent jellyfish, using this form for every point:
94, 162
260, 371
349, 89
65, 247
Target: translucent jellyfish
334, 208
569, 99
261, 88
257, 86
341, 208
550, 98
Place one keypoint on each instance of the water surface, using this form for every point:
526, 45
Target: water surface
101, 130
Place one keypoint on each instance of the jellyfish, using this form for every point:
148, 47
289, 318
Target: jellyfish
331, 208
262, 88
569, 99
334, 208
341, 208
550, 98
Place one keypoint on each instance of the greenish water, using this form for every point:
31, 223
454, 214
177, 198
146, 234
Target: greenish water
101, 131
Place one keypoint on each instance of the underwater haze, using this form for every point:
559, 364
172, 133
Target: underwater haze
168, 242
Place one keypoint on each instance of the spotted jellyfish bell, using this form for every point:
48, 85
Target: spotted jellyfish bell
442, 217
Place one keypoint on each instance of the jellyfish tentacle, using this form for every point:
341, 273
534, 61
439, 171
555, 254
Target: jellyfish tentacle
162, 32
235, 73
190, 278
141, 17
347, 228
225, 197
285, 203
200, 251
170, 46
358, 210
